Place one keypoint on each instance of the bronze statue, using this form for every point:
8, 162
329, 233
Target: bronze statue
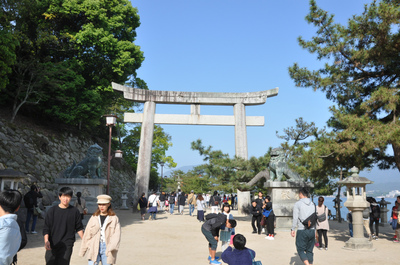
91, 165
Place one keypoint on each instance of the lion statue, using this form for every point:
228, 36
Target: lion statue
278, 167
91, 165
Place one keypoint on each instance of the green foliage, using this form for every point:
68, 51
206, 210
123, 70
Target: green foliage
67, 52
361, 76
223, 173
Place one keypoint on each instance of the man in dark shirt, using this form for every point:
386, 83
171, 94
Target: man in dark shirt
60, 225
30, 200
260, 199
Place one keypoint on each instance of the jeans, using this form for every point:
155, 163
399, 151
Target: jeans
28, 219
101, 256
191, 209
153, 215
171, 208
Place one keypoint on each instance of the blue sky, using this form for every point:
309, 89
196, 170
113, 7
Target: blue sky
232, 46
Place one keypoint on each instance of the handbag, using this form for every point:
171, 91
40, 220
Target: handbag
262, 223
138, 207
266, 212
253, 262
37, 211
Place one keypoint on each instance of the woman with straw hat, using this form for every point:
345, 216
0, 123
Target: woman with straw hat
102, 235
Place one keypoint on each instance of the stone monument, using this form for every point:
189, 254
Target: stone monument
356, 203
85, 177
284, 194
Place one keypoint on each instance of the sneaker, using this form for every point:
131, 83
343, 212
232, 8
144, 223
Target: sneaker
33, 232
376, 238
267, 237
215, 262
271, 237
27, 232
254, 232
326, 248
396, 241
216, 258
263, 230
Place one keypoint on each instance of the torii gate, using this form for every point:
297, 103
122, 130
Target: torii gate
148, 118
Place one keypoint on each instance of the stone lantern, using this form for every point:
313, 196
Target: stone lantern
383, 204
356, 203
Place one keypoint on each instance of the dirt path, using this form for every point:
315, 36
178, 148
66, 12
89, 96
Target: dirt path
177, 239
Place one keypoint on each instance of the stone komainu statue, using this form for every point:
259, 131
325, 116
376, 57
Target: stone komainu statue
90, 165
279, 168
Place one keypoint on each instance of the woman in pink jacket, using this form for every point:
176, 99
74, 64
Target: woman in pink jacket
322, 226
102, 235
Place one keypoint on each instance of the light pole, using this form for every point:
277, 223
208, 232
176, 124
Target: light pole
162, 173
110, 122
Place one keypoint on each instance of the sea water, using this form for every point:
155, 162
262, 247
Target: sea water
344, 211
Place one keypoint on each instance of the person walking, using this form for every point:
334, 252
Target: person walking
374, 218
207, 199
30, 200
101, 239
322, 226
305, 236
201, 206
395, 220
171, 201
268, 213
80, 204
181, 202
143, 205
162, 199
215, 202
61, 223
152, 204
191, 202
350, 221
256, 212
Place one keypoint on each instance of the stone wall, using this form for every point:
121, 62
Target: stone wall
43, 157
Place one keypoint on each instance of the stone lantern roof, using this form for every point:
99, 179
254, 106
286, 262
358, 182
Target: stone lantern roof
355, 179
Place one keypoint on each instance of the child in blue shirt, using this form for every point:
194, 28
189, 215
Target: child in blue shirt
240, 255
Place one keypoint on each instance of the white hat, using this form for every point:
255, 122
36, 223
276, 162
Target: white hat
103, 199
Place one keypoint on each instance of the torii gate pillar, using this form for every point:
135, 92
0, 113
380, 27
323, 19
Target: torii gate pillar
195, 99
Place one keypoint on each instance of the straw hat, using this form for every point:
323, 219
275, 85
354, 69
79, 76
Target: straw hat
103, 199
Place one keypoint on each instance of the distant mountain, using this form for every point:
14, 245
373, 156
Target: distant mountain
184, 169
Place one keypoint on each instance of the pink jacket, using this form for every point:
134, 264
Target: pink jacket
91, 239
324, 224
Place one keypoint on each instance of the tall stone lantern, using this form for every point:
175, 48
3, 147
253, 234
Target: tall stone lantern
356, 203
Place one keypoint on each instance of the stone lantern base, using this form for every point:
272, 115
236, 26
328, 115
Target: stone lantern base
359, 244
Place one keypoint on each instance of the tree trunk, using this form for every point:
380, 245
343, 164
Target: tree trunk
396, 151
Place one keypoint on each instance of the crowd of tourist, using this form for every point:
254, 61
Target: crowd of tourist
101, 238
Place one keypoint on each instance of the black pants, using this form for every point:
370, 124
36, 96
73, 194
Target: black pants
322, 232
59, 256
258, 220
270, 224
371, 225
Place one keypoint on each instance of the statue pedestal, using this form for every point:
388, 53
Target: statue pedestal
90, 189
359, 244
284, 194
243, 202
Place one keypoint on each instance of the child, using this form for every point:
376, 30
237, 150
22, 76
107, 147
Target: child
240, 255
256, 212
102, 246
225, 231
10, 235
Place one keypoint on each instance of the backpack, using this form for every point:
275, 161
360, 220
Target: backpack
375, 212
311, 220
171, 200
322, 217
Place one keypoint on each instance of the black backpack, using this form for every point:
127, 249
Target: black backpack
375, 211
171, 199
310, 221
211, 216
